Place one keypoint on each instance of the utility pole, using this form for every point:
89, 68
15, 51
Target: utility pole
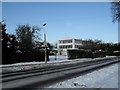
45, 45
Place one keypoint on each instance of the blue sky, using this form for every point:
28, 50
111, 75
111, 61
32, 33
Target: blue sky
64, 19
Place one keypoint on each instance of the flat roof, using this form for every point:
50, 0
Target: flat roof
65, 38
68, 38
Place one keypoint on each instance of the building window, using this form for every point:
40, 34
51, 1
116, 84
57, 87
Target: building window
77, 41
60, 47
68, 41
65, 46
77, 46
59, 41
65, 41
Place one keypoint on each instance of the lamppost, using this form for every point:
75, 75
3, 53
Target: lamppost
45, 44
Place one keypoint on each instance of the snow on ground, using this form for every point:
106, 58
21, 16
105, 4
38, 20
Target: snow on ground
51, 60
107, 77
58, 58
33, 65
103, 78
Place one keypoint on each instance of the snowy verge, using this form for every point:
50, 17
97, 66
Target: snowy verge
37, 65
108, 78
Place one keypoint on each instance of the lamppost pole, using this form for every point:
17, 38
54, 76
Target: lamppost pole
45, 44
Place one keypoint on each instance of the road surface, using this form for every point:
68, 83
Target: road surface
45, 76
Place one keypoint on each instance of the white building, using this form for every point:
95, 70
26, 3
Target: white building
68, 43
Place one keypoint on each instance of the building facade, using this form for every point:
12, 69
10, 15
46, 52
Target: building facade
68, 43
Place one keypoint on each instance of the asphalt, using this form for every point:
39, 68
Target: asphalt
40, 81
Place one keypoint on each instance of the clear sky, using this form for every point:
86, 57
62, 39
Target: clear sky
85, 20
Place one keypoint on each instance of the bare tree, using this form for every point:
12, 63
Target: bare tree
26, 36
116, 11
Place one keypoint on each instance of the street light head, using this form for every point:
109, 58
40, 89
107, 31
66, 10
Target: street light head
44, 24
